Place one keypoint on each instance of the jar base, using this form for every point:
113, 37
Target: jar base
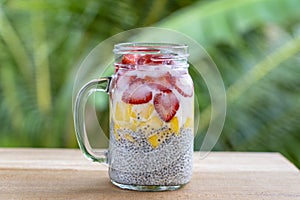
147, 188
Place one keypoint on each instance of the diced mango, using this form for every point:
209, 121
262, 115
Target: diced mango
156, 139
153, 140
116, 127
174, 125
155, 122
128, 137
188, 123
146, 112
133, 114
123, 111
132, 125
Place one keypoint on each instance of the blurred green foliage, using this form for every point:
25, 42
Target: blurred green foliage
254, 43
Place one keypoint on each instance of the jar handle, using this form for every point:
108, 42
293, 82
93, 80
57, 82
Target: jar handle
79, 118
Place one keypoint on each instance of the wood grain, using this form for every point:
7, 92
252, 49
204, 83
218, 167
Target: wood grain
65, 174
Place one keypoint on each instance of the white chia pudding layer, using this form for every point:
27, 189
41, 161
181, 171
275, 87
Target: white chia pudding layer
136, 162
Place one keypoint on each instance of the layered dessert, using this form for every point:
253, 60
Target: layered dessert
151, 122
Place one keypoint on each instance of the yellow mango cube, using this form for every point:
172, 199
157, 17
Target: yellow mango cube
123, 112
189, 123
153, 140
146, 112
174, 125
116, 127
128, 137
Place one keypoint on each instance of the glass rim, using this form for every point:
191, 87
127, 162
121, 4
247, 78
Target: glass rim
126, 47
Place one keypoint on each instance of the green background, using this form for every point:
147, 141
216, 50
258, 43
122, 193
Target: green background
254, 43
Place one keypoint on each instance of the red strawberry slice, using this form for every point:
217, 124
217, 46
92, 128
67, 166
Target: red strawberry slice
184, 86
116, 68
158, 87
164, 59
130, 59
137, 93
166, 105
124, 78
161, 83
156, 59
147, 59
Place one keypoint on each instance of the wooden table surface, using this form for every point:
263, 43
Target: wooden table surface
66, 174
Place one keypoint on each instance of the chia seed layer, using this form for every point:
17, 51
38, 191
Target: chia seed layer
138, 163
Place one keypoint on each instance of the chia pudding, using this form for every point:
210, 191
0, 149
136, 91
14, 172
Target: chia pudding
151, 122
140, 164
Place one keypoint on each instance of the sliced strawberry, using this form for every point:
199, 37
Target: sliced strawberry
161, 83
116, 68
184, 86
165, 59
130, 59
156, 59
158, 87
137, 93
146, 59
124, 79
166, 105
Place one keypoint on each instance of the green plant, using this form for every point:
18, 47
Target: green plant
41, 44
254, 43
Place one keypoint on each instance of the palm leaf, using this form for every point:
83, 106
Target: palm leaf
14, 44
225, 20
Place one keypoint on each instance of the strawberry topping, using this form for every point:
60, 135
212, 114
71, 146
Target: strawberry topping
137, 93
139, 90
148, 59
130, 59
156, 59
123, 79
161, 83
166, 105
184, 86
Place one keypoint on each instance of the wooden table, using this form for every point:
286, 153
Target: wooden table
66, 174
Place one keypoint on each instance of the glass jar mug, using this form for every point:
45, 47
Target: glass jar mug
151, 117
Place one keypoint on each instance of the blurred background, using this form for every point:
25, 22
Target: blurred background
254, 43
